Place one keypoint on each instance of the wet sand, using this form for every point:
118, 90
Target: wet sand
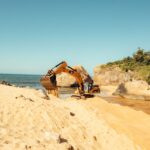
141, 105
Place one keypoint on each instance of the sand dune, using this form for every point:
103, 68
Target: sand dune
28, 121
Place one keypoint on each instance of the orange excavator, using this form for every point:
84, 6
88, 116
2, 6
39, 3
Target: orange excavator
49, 81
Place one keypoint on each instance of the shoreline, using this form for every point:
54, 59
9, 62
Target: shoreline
137, 102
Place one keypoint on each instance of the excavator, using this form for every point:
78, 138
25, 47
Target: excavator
49, 82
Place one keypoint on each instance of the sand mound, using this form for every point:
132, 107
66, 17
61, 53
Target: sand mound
28, 121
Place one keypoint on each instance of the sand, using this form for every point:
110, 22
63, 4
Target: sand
28, 121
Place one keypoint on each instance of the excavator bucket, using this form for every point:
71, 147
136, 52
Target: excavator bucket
48, 82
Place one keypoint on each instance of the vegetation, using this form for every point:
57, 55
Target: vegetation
138, 63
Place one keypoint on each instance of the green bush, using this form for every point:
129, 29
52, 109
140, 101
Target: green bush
139, 63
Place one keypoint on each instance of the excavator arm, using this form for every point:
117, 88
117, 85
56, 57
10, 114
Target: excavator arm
49, 80
63, 67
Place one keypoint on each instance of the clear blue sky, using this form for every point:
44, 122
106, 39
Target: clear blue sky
37, 34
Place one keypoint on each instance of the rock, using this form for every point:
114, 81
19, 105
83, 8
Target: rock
65, 79
61, 140
111, 75
95, 138
129, 86
5, 83
136, 89
121, 89
70, 147
28, 147
24, 98
136, 85
72, 114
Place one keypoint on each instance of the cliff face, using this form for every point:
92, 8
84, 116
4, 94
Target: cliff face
126, 82
111, 75
136, 87
65, 79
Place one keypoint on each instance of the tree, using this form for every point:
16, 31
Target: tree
147, 58
139, 55
127, 59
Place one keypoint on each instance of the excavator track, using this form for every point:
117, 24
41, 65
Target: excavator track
83, 96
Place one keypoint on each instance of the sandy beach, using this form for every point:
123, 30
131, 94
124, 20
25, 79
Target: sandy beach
28, 121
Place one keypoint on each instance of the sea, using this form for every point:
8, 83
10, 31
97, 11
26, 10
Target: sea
30, 81
22, 80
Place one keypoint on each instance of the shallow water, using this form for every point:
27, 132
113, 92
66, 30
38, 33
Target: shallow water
140, 105
66, 92
33, 82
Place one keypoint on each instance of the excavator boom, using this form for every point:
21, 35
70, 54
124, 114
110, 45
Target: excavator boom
62, 67
49, 80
